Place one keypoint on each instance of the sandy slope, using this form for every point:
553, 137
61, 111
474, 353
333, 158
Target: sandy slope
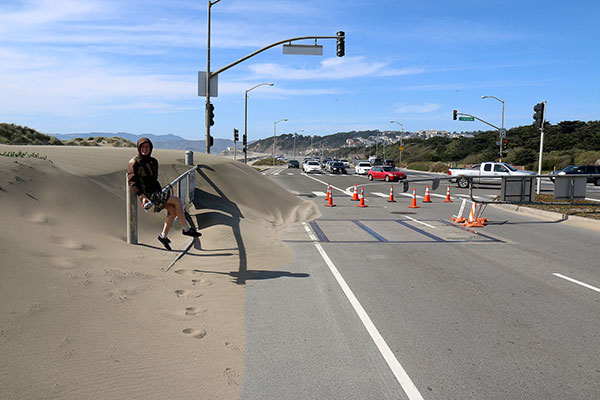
84, 315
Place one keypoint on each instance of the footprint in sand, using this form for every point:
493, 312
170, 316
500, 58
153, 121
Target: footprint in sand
193, 311
233, 378
188, 272
234, 347
195, 333
187, 294
69, 244
204, 282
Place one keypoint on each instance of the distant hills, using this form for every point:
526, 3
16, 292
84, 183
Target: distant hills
169, 141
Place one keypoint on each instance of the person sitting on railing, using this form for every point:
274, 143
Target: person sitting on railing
142, 174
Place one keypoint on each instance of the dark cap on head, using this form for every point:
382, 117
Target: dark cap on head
140, 142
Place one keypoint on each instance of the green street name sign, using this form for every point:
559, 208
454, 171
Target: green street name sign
466, 119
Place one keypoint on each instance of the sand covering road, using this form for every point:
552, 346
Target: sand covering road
85, 315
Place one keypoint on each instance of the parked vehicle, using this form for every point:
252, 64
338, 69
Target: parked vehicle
386, 173
362, 168
311, 166
484, 173
581, 170
293, 164
337, 167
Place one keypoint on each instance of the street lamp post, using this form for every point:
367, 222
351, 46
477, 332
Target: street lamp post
245, 141
502, 124
274, 136
401, 140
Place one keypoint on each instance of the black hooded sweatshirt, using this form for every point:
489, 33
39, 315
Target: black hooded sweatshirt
142, 171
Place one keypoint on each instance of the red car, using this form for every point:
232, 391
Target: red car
386, 173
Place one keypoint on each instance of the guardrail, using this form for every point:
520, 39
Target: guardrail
519, 189
184, 185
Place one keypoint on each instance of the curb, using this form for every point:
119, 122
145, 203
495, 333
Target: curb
573, 220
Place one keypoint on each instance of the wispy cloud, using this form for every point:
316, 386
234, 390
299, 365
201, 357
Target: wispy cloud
331, 68
416, 108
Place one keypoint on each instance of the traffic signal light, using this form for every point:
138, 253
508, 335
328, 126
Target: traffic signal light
341, 45
211, 114
538, 117
211, 141
236, 135
454, 114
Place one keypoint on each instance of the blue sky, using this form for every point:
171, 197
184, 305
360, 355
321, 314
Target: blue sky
71, 66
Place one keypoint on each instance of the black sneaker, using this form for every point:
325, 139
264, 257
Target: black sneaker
191, 232
165, 241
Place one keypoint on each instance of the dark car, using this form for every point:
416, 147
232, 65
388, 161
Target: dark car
581, 170
337, 167
293, 164
390, 163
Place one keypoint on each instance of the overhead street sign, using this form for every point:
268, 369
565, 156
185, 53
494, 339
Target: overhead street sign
400, 148
310, 50
466, 119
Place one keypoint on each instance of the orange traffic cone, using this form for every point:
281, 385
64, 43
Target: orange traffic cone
328, 192
414, 200
472, 222
391, 199
355, 195
362, 198
330, 202
427, 198
448, 196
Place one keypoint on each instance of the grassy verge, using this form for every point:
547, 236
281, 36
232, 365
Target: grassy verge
587, 211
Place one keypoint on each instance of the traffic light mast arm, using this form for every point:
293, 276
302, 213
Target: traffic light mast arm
225, 68
478, 119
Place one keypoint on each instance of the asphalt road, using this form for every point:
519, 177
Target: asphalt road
390, 302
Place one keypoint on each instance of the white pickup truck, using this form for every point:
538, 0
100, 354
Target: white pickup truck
484, 173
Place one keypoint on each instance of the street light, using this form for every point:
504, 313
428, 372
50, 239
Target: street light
274, 135
401, 140
502, 125
245, 141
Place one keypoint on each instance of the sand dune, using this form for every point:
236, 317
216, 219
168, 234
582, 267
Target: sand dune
85, 315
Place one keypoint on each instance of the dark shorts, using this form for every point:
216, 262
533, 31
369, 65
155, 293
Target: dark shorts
160, 199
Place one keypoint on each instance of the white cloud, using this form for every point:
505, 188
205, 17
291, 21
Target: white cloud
330, 68
417, 108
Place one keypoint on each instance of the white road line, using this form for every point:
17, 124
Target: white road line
469, 197
419, 222
407, 384
335, 187
587, 198
289, 173
323, 194
381, 194
410, 195
577, 282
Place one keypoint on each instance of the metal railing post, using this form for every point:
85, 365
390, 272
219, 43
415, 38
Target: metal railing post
132, 215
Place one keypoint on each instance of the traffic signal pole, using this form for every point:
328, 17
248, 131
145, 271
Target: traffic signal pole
341, 51
540, 117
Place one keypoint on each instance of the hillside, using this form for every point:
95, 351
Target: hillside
21, 135
568, 142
